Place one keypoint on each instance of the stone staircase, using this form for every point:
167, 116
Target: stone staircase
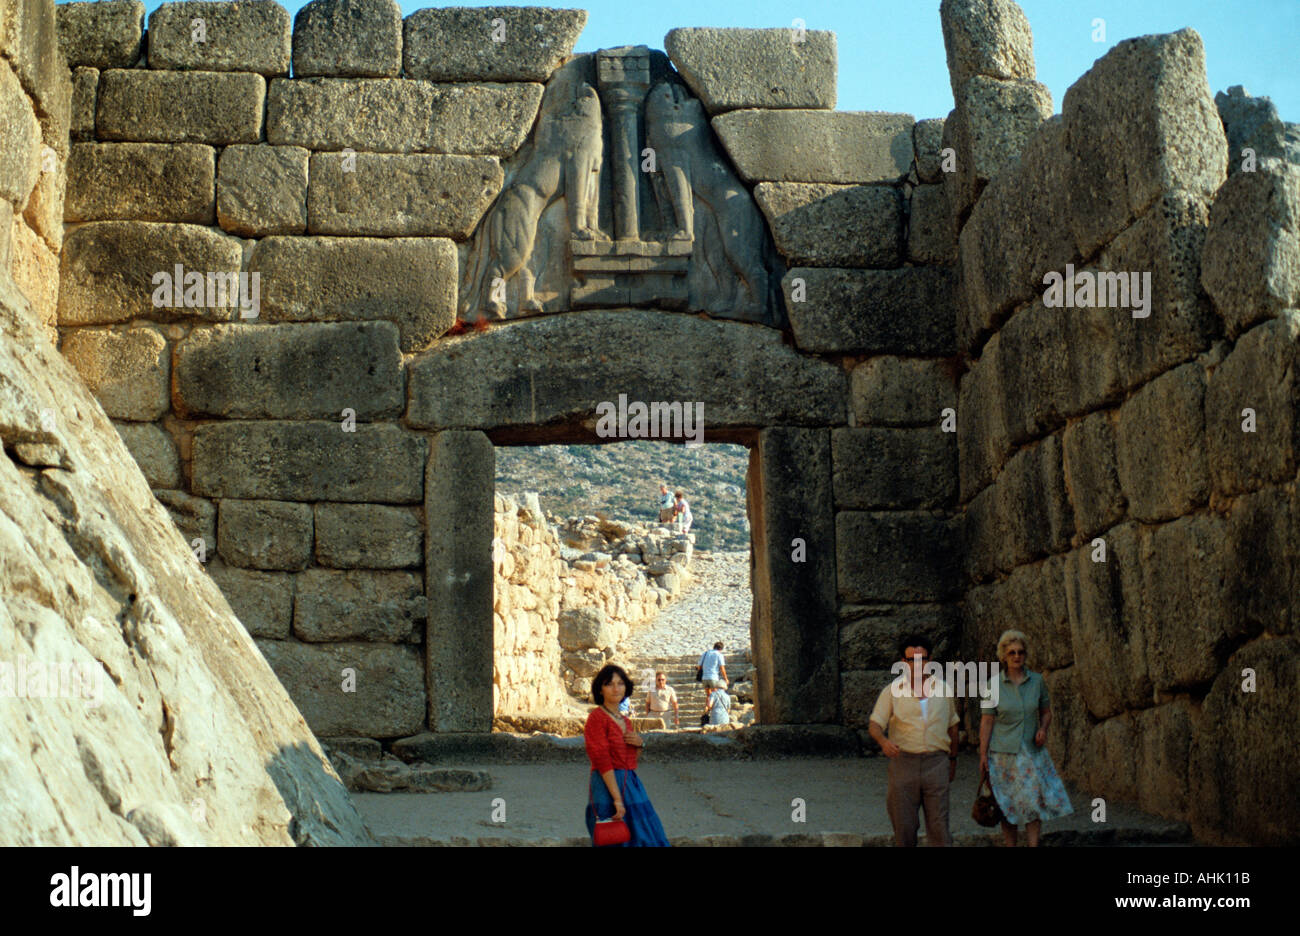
680, 671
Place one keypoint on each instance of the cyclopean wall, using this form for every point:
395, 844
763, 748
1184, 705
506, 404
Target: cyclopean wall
1114, 509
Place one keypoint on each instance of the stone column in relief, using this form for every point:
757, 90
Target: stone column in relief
458, 509
795, 630
624, 78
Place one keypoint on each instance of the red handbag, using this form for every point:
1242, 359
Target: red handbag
608, 831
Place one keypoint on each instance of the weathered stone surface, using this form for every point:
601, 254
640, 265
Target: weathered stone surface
585, 629
238, 35
986, 37
894, 391
1105, 603
859, 690
819, 224
367, 536
35, 270
401, 116
869, 635
29, 40
85, 91
1031, 600
1259, 375
1092, 474
1252, 123
263, 534
1251, 263
460, 485
154, 451
180, 106
348, 37
20, 145
107, 34
417, 194
306, 371
140, 182
1259, 562
817, 146
44, 209
457, 44
95, 574
1160, 446
773, 68
1111, 759
409, 281
927, 142
263, 601
477, 381
196, 518
389, 697
1067, 738
1164, 737
585, 663
929, 227
309, 461
106, 270
262, 189
1139, 123
127, 371
358, 605
908, 311
983, 442
1243, 754
894, 468
897, 556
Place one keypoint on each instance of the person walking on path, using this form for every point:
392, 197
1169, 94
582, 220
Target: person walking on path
666, 510
921, 719
1013, 752
682, 512
720, 707
612, 747
713, 673
661, 699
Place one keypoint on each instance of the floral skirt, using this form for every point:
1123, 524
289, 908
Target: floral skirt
1026, 786
641, 818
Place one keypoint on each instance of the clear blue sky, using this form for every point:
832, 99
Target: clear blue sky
891, 51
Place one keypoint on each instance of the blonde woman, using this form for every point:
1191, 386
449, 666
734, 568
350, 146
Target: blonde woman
1013, 746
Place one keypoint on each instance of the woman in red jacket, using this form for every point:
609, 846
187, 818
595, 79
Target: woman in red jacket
612, 746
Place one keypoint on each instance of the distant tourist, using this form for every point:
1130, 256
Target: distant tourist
720, 707
662, 699
612, 747
713, 672
682, 511
665, 504
1013, 752
921, 747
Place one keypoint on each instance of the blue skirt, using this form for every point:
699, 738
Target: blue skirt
640, 816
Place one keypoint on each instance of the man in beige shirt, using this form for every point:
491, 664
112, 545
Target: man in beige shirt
922, 746
660, 700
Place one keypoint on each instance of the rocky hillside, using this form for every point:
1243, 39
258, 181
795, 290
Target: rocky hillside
623, 481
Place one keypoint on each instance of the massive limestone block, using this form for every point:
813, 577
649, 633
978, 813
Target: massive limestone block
381, 607
263, 601
482, 119
396, 196
869, 634
894, 391
773, 68
1092, 474
348, 37
192, 739
308, 371
20, 145
127, 371
1252, 123
929, 226
859, 690
196, 518
29, 40
1139, 123
541, 370
817, 146
1164, 737
262, 534
1260, 561
1111, 759
44, 210
488, 43
140, 182
106, 271
1252, 420
1067, 739
309, 461
896, 556
1243, 756
180, 107
1251, 263
907, 311
106, 34
85, 90
983, 441
367, 536
262, 189
927, 142
986, 37
881, 468
1031, 600
388, 700
834, 225
35, 269
154, 451
241, 36
408, 281
1160, 444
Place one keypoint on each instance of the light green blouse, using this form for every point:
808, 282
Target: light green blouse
1017, 712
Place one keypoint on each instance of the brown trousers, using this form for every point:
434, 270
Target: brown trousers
917, 780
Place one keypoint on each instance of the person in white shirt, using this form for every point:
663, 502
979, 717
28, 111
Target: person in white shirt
661, 700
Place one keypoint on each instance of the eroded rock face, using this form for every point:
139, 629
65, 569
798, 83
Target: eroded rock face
176, 730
